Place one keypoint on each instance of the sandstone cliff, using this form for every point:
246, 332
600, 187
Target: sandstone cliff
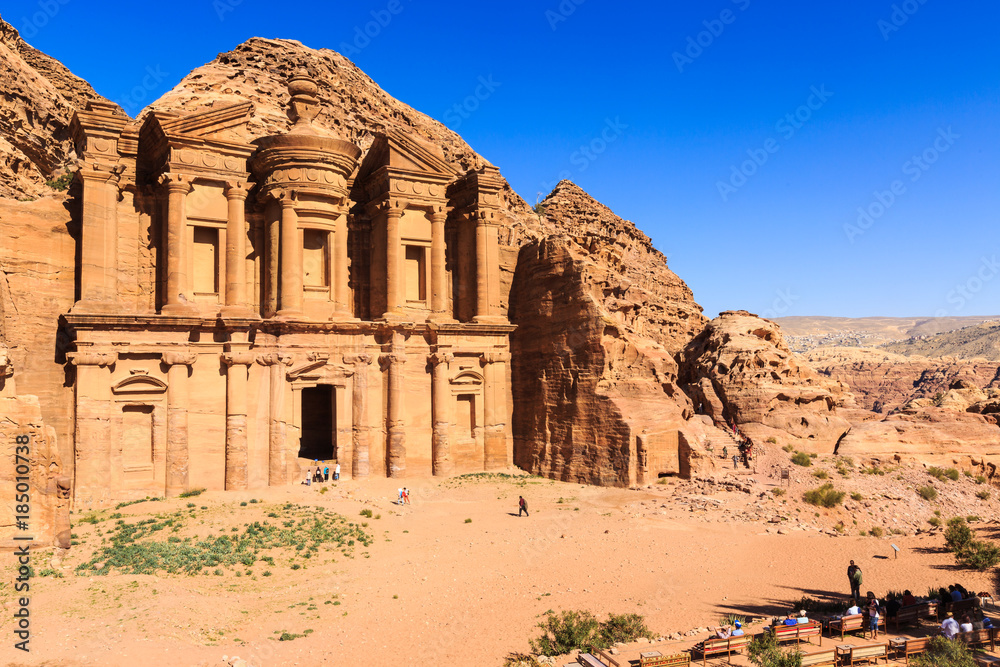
600, 317
883, 382
38, 100
740, 370
979, 341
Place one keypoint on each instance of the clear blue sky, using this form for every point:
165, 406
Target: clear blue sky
785, 239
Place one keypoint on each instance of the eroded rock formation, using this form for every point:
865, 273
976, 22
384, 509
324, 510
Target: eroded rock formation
600, 318
740, 370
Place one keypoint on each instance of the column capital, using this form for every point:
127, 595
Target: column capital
438, 213
438, 358
393, 206
484, 217
391, 358
236, 190
362, 359
175, 182
179, 358
274, 359
238, 358
101, 359
494, 358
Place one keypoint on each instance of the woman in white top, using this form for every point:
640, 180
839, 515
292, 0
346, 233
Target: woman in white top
966, 625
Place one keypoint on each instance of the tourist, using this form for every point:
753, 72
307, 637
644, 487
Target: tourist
854, 577
336, 473
738, 630
790, 620
978, 624
326, 473
892, 605
987, 623
522, 506
308, 480
406, 496
319, 475
725, 452
802, 619
853, 610
399, 491
736, 459
908, 599
723, 633
966, 625
956, 595
873, 615
949, 626
749, 451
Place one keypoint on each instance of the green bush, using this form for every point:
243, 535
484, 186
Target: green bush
980, 479
958, 535
802, 459
566, 632
876, 532
934, 521
943, 474
765, 652
580, 630
192, 493
857, 497
789, 448
61, 183
979, 554
820, 474
772, 440
366, 512
943, 652
927, 492
778, 491
983, 495
824, 496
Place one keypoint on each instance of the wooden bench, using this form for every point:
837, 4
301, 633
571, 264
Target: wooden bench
914, 612
718, 646
822, 657
847, 624
868, 653
978, 638
675, 660
798, 632
960, 607
910, 646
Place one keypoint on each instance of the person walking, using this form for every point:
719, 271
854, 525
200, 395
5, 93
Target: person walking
326, 473
522, 506
336, 473
855, 577
406, 496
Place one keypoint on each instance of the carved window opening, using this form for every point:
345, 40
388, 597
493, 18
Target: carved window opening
205, 259
416, 274
315, 258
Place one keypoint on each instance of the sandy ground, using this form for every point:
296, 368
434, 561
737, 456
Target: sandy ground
435, 588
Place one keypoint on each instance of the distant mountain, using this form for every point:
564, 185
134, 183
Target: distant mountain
979, 341
807, 333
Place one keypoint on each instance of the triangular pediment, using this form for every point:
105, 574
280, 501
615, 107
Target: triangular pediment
220, 123
401, 152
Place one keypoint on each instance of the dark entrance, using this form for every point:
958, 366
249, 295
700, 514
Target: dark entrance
319, 416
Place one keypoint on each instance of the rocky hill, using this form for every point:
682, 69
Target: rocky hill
980, 341
38, 100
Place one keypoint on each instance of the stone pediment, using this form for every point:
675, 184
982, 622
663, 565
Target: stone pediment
220, 123
139, 384
405, 155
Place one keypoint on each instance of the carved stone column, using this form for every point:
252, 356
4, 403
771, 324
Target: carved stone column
177, 363
291, 260
93, 424
342, 269
495, 409
237, 461
177, 295
277, 458
487, 269
99, 240
439, 275
236, 251
360, 431
442, 462
393, 265
395, 428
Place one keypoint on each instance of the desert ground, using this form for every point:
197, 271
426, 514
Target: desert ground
457, 578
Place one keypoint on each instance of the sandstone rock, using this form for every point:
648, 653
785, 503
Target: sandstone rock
742, 361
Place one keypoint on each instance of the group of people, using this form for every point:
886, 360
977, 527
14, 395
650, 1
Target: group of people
319, 475
745, 455
404, 496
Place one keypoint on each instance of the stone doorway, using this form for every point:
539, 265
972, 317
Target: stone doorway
319, 423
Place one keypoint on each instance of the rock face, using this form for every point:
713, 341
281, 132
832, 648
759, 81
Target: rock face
979, 341
24, 434
39, 98
740, 369
600, 317
884, 382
